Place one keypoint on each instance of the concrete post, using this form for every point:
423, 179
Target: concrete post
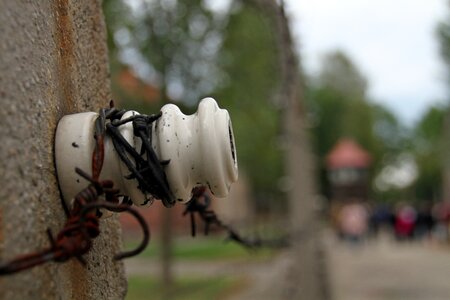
53, 61
301, 273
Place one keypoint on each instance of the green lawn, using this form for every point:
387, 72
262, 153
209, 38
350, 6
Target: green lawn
148, 288
204, 249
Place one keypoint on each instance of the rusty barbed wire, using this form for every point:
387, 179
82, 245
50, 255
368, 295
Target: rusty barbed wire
82, 225
200, 205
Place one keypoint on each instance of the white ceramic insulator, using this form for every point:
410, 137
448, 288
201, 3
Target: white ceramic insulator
200, 147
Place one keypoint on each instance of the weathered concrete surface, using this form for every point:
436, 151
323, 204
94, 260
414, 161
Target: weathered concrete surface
53, 61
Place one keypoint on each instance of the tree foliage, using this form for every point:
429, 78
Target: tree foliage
443, 32
248, 60
429, 153
170, 44
340, 107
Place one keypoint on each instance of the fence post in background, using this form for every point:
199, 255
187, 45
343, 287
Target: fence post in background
53, 62
303, 273
305, 278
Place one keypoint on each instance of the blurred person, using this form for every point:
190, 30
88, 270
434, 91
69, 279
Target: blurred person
381, 219
424, 223
353, 222
405, 222
441, 215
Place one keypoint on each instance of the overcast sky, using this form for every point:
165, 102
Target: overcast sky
393, 42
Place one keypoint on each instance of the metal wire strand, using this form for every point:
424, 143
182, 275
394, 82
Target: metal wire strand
121, 208
199, 205
147, 171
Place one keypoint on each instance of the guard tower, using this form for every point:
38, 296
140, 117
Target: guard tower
348, 172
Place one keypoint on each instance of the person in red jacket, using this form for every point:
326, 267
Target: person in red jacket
405, 221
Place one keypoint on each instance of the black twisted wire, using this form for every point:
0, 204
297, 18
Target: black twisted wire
144, 166
200, 205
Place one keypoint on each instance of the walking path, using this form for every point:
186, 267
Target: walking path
378, 270
386, 270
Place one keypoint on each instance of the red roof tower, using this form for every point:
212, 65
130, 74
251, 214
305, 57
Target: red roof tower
348, 154
348, 171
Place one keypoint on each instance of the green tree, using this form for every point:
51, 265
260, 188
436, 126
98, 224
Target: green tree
339, 107
169, 44
429, 153
248, 62
443, 32
339, 74
117, 16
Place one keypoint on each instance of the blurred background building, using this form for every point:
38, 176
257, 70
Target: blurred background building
348, 172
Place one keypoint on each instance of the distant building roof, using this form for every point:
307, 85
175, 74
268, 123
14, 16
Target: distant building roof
346, 153
133, 85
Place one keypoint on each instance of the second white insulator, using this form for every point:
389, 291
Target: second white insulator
200, 147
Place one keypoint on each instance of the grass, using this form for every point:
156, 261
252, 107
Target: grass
145, 287
198, 288
204, 249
